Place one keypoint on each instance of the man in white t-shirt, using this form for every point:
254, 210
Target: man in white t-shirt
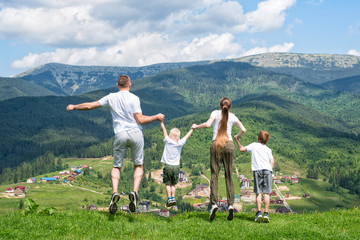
127, 120
262, 163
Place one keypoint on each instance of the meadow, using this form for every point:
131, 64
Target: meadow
341, 224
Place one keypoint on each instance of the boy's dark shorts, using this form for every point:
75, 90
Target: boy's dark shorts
171, 174
262, 181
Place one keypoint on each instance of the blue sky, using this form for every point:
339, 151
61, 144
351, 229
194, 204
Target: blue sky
139, 32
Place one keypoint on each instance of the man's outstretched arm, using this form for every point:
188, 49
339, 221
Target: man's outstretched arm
83, 106
142, 119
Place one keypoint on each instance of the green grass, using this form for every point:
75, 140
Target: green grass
342, 224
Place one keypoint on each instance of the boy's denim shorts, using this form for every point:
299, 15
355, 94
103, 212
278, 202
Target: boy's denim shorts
133, 140
171, 174
262, 181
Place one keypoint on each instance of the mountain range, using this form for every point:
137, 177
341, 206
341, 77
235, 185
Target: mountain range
311, 124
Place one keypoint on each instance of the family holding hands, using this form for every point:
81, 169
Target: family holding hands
127, 120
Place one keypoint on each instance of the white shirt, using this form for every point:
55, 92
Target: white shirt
123, 105
260, 156
172, 151
231, 121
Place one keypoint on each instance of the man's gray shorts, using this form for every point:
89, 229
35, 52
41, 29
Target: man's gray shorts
262, 181
133, 140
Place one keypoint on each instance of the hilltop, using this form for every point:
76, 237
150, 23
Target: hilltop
313, 68
73, 80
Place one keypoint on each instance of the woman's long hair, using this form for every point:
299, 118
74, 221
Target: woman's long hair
221, 136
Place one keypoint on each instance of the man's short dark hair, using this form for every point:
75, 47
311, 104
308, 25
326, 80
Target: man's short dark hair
124, 81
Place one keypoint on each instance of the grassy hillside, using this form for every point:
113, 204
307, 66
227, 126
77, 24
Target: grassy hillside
14, 87
342, 224
349, 84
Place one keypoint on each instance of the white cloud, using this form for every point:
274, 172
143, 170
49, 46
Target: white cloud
137, 32
353, 52
269, 15
150, 48
144, 49
66, 26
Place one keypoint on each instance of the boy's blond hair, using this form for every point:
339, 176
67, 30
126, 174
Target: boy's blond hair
175, 133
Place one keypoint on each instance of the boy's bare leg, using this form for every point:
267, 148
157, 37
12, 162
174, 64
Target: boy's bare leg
138, 174
115, 178
266, 202
173, 189
258, 202
168, 190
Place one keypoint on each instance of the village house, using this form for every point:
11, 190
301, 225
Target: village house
164, 213
277, 181
19, 191
48, 179
144, 206
201, 206
200, 190
70, 179
64, 173
183, 177
31, 180
9, 190
245, 183
294, 180
245, 193
125, 208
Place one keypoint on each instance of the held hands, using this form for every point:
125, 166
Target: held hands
194, 126
160, 117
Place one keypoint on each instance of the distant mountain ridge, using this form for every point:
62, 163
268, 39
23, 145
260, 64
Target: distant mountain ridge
15, 87
313, 68
73, 80
349, 84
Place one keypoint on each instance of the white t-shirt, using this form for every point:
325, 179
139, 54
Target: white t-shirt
260, 156
123, 105
231, 121
172, 151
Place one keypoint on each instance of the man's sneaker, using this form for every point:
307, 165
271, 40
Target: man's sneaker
113, 206
213, 212
266, 217
133, 201
173, 202
258, 217
230, 215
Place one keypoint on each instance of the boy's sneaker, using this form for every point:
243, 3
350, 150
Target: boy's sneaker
266, 217
213, 212
169, 202
258, 217
134, 198
230, 215
113, 206
173, 202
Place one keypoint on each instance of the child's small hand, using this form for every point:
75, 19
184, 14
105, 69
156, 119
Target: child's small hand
237, 137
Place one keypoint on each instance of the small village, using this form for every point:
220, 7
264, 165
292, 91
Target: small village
201, 191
